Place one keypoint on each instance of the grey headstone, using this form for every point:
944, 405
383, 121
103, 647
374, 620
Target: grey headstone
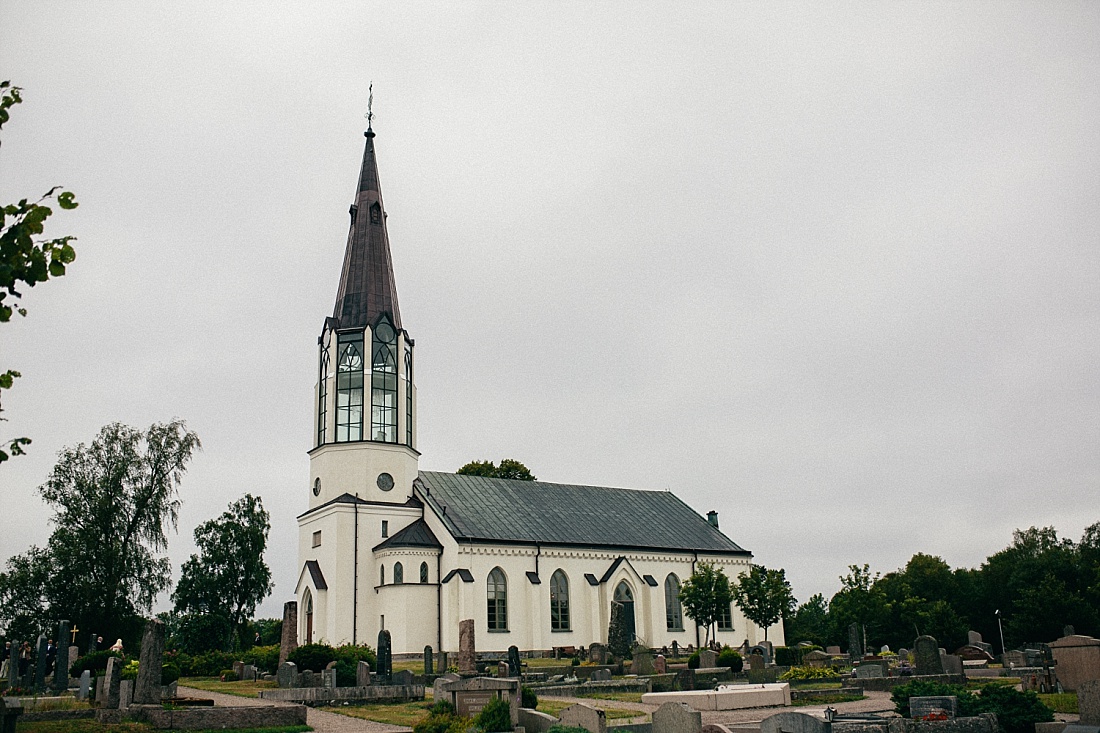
444, 662
13, 663
74, 654
125, 694
926, 654
793, 723
855, 645
248, 672
404, 677
362, 674
289, 640
600, 675
40, 664
755, 662
973, 637
707, 659
885, 649
936, 707
580, 715
952, 663
328, 678
308, 678
660, 664
429, 665
684, 680
1088, 702
597, 653
93, 644
113, 683
60, 669
467, 651
676, 717
643, 662
675, 649
832, 650
515, 667
384, 657
438, 692
288, 674
504, 669
903, 654
238, 669
868, 671
85, 685
147, 690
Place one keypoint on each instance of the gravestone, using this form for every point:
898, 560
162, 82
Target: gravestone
404, 677
40, 664
249, 673
756, 662
289, 640
643, 662
514, 666
362, 674
1088, 702
973, 637
60, 669
926, 655
438, 692
503, 669
660, 664
794, 723
429, 662
384, 657
676, 717
93, 643
600, 675
580, 715
855, 646
467, 654
903, 654
308, 678
112, 684
951, 663
287, 674
444, 662
597, 653
10, 710
13, 664
763, 650
684, 680
675, 649
85, 685
816, 658
868, 671
328, 678
125, 694
708, 659
885, 649
832, 651
937, 707
238, 669
148, 688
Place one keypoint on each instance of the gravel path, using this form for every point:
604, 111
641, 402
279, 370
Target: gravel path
319, 720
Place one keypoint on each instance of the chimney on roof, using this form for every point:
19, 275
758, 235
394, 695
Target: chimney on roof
712, 517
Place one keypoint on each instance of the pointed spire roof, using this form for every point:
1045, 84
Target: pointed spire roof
367, 286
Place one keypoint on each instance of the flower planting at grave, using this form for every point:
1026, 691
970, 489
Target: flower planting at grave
810, 673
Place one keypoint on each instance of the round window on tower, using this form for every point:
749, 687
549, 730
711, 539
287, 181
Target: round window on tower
385, 481
317, 487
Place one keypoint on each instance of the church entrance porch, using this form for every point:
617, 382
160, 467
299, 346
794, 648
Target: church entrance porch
624, 596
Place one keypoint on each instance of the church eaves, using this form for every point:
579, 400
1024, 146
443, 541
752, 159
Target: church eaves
367, 286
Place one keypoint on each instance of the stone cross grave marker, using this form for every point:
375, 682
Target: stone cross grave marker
927, 656
466, 649
148, 688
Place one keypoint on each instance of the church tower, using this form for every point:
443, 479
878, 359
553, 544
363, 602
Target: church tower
363, 460
365, 416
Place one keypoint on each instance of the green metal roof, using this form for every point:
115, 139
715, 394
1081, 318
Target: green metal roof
504, 510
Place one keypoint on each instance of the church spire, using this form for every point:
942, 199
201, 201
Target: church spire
367, 286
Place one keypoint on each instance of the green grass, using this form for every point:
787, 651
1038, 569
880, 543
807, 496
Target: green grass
825, 700
1061, 702
396, 713
977, 683
243, 688
554, 706
617, 696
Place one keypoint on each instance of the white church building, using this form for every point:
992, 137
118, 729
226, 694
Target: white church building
537, 565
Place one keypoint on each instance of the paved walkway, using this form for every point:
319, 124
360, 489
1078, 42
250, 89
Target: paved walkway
319, 720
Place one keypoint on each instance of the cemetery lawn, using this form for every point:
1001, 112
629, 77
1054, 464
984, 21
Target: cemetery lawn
395, 713
617, 696
825, 700
554, 706
1060, 702
243, 688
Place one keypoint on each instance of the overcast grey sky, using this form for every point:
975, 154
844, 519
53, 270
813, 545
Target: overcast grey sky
830, 269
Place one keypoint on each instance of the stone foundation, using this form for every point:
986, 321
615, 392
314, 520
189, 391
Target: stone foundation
314, 696
208, 718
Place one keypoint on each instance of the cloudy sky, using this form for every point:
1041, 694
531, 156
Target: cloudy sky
832, 270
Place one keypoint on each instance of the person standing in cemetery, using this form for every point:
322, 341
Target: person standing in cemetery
24, 658
117, 647
51, 656
5, 660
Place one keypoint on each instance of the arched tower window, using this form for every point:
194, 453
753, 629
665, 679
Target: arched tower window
398, 573
381, 575
408, 396
383, 421
674, 613
322, 393
423, 572
559, 601
497, 594
349, 387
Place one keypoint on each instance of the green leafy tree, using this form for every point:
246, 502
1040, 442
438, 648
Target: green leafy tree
508, 468
860, 601
25, 258
706, 595
228, 578
809, 622
114, 501
763, 595
22, 598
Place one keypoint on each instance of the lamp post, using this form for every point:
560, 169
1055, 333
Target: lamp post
1000, 628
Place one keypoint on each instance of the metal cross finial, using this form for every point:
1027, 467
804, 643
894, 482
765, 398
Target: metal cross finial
370, 103
74, 632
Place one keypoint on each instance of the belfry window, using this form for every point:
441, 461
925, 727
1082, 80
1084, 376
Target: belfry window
559, 601
383, 420
408, 397
349, 388
674, 612
497, 596
322, 395
398, 573
423, 572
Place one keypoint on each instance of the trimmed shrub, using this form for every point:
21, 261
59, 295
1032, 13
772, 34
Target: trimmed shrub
730, 658
228, 675
314, 657
810, 673
528, 698
96, 662
495, 717
926, 688
265, 658
169, 673
347, 658
443, 707
693, 661
1017, 712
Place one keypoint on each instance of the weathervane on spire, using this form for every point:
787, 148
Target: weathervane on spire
370, 103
